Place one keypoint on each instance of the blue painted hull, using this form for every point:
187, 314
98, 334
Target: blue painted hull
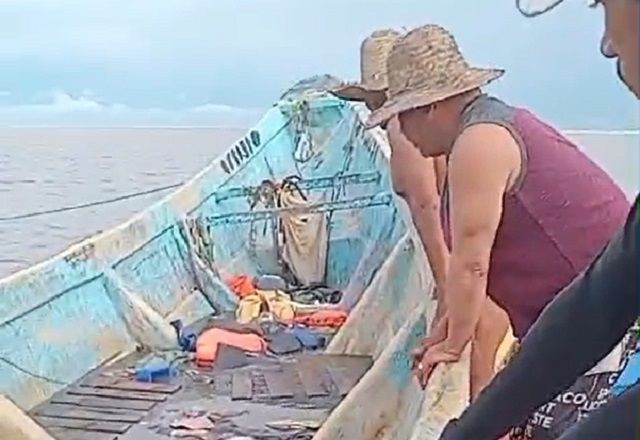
104, 296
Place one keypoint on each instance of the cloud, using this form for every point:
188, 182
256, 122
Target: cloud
61, 108
197, 54
4, 93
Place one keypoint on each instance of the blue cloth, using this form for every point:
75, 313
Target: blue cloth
630, 374
153, 370
186, 336
270, 282
309, 338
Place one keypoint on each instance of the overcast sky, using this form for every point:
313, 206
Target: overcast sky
212, 62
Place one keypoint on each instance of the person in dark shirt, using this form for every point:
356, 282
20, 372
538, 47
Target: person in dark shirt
589, 317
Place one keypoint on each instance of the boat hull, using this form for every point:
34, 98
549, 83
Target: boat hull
115, 291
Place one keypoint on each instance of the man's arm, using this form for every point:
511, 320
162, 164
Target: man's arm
484, 159
425, 212
577, 329
423, 201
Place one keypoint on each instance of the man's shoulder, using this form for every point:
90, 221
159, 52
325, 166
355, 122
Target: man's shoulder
486, 142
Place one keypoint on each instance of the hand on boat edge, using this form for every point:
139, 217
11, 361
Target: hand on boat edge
436, 335
431, 358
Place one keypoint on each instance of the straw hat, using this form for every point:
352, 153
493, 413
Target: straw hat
426, 66
373, 66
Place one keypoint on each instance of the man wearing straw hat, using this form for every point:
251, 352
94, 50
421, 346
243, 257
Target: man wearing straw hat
591, 315
528, 211
419, 181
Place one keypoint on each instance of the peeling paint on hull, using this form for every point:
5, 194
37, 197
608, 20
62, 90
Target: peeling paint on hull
66, 316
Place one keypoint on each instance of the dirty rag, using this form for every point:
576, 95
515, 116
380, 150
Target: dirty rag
273, 301
305, 239
323, 318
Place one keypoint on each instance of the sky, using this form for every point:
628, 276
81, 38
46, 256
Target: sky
224, 62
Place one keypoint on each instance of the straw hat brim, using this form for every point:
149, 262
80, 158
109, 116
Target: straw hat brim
471, 79
354, 91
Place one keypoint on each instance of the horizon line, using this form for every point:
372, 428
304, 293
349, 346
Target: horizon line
245, 127
130, 127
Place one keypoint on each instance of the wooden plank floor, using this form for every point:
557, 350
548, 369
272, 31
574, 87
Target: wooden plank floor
309, 375
100, 409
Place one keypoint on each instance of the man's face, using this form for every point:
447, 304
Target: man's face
621, 39
421, 127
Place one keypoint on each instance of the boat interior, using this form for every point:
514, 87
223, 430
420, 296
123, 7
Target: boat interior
73, 328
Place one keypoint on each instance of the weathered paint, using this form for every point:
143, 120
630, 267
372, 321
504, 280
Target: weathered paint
65, 316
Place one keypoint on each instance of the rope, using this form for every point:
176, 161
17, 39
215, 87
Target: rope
89, 204
532, 14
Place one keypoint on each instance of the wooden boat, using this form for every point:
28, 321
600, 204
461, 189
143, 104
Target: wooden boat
85, 311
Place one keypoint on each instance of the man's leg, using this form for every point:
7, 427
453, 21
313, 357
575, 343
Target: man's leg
490, 333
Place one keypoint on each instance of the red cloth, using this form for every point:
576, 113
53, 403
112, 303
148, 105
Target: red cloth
323, 318
208, 342
241, 285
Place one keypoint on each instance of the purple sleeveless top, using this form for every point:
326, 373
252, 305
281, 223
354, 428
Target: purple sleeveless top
558, 216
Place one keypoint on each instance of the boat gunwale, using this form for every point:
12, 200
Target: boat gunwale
321, 101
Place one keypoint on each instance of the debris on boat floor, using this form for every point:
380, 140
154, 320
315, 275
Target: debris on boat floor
258, 374
260, 423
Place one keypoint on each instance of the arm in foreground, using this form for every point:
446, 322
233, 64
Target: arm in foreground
577, 329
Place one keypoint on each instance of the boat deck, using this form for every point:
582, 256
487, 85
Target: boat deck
261, 400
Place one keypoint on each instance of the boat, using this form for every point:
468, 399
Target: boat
75, 319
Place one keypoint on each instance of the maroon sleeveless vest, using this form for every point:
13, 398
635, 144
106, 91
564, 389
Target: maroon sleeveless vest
559, 215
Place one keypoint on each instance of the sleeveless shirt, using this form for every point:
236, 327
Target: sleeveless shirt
560, 213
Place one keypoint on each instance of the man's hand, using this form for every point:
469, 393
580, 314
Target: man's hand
433, 356
437, 335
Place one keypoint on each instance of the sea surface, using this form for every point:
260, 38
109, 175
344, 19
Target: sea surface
47, 168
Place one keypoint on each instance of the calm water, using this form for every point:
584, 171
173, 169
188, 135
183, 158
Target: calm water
48, 168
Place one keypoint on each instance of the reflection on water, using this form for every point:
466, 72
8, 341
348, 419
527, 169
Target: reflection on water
48, 168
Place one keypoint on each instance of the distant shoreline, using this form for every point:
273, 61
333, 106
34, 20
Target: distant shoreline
604, 132
228, 127
123, 127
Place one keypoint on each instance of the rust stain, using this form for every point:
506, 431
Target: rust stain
110, 342
63, 333
84, 253
31, 392
107, 341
